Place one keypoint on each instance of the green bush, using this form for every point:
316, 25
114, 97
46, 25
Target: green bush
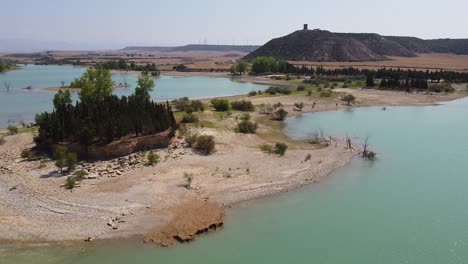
267, 148
246, 127
197, 106
80, 174
220, 105
153, 158
189, 118
280, 114
27, 154
2, 141
245, 117
280, 149
184, 104
252, 93
71, 183
13, 130
181, 103
189, 179
191, 139
300, 88
243, 105
71, 161
349, 98
308, 157
275, 90
205, 144
63, 158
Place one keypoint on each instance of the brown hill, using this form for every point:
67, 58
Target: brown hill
321, 45
326, 46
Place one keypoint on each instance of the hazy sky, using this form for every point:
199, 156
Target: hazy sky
115, 23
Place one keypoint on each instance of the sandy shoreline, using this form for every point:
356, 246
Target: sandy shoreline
146, 199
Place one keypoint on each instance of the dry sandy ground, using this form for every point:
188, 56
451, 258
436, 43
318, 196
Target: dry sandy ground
433, 61
223, 60
36, 207
164, 60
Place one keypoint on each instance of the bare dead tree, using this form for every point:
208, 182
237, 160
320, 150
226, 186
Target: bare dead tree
298, 107
365, 145
366, 153
7, 85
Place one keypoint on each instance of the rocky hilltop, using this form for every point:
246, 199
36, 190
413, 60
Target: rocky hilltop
322, 45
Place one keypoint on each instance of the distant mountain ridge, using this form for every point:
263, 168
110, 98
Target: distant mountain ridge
326, 46
196, 47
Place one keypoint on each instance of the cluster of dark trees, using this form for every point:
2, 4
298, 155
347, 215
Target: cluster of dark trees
408, 84
272, 65
264, 65
123, 65
100, 117
3, 65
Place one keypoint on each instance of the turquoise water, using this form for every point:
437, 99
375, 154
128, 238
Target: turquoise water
409, 206
20, 104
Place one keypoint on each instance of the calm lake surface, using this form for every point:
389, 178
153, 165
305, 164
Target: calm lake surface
21, 104
409, 206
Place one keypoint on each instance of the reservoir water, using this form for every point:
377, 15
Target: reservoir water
408, 206
21, 104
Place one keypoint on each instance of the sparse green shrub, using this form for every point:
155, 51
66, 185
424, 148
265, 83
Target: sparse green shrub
153, 158
27, 154
189, 179
181, 103
60, 155
267, 148
63, 158
275, 90
189, 118
191, 139
245, 117
245, 106
205, 144
71, 183
220, 105
13, 130
71, 161
184, 104
280, 114
280, 149
348, 98
308, 157
80, 174
300, 88
197, 106
2, 141
189, 110
309, 93
246, 127
253, 93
